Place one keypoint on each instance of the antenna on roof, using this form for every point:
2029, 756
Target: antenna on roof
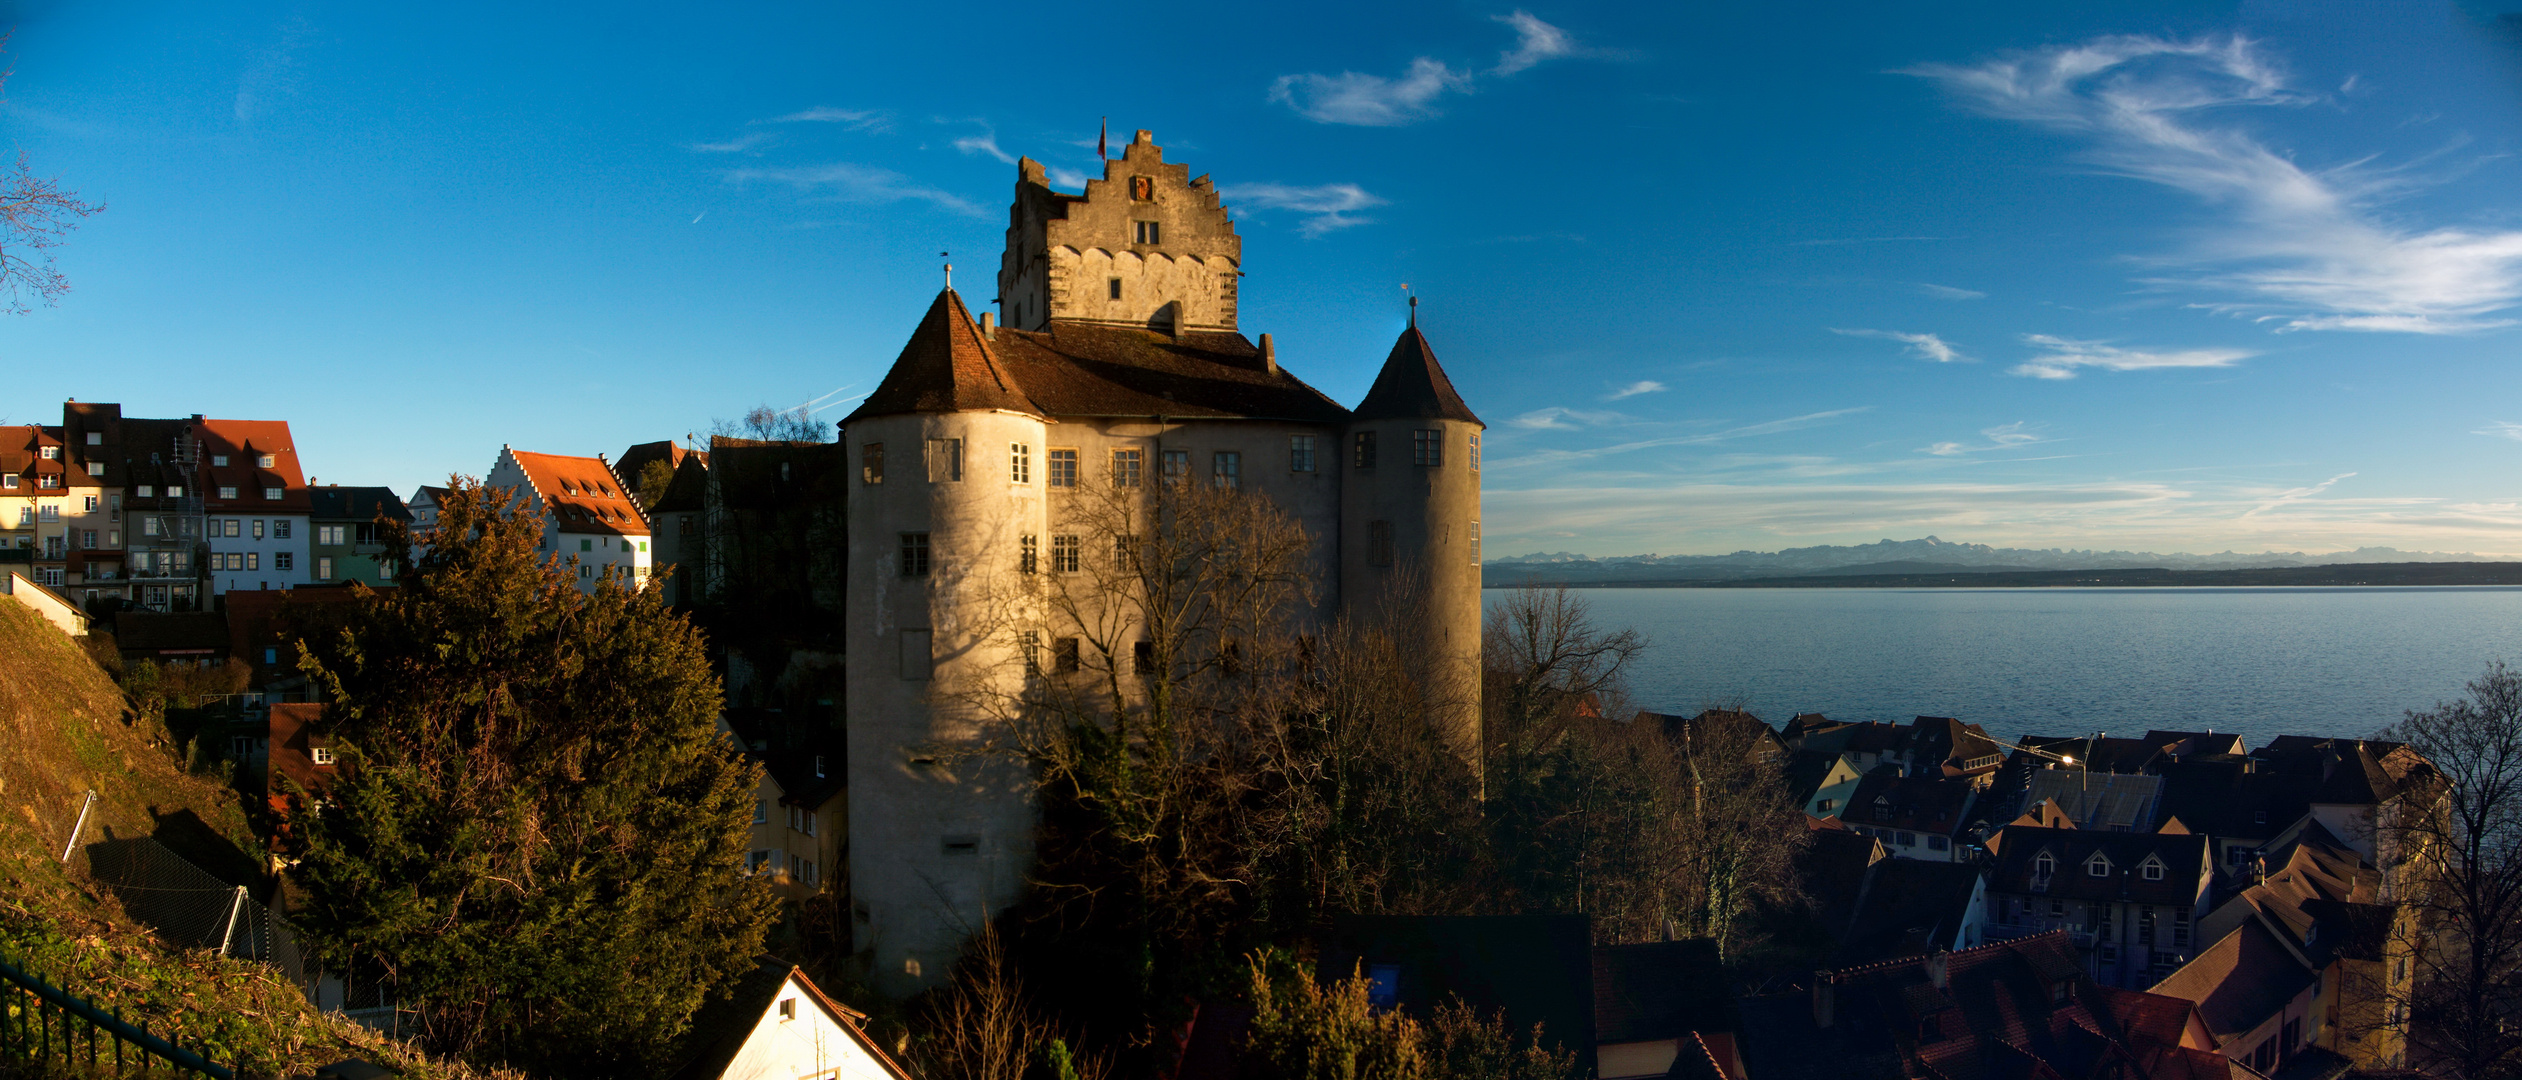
1414, 304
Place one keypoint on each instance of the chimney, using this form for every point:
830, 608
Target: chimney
1825, 999
989, 326
1269, 355
1936, 966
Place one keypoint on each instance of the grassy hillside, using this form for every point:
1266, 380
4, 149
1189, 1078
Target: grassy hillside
67, 732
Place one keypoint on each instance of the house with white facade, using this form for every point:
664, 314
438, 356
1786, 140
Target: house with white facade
777, 1025
589, 515
254, 504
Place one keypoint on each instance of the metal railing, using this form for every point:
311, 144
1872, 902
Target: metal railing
41, 1024
190, 908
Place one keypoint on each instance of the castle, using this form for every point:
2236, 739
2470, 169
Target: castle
1114, 359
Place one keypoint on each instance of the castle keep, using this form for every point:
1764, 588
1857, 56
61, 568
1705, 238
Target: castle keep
1119, 360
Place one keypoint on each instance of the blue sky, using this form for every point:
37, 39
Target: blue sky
2168, 277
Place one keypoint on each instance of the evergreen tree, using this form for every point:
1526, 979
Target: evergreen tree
538, 834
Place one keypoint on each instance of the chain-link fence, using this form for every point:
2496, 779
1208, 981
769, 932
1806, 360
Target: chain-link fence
191, 909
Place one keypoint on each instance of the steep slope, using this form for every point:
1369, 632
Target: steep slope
64, 731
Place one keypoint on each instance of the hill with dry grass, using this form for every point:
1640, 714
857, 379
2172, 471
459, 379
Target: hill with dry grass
67, 731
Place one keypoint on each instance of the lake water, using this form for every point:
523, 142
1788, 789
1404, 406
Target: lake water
2261, 662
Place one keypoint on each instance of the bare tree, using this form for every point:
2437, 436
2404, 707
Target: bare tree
763, 423
1547, 664
979, 1026
2454, 847
36, 212
1735, 835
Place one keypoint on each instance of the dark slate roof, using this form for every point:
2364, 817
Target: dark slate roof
2217, 796
337, 503
1885, 799
2352, 930
150, 631
755, 474
945, 367
1661, 990
2350, 771
1805, 771
2183, 857
1413, 386
1082, 369
1907, 907
2104, 754
1535, 968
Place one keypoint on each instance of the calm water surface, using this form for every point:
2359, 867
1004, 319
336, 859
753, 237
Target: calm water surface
2262, 662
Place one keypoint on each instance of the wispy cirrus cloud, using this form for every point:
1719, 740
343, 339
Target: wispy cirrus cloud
845, 182
1544, 419
985, 143
2294, 495
1362, 100
2059, 358
870, 120
2000, 437
1948, 292
1642, 386
741, 143
1535, 41
1327, 207
2303, 248
1922, 346
2501, 429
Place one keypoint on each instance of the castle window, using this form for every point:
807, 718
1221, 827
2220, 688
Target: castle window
1063, 468
1378, 543
1115, 286
1126, 466
1475, 543
1143, 658
1064, 654
1362, 455
1028, 554
1029, 645
1020, 462
1150, 232
1125, 552
945, 460
1064, 554
1427, 447
1300, 453
1142, 188
1177, 466
914, 554
1475, 451
1226, 470
871, 463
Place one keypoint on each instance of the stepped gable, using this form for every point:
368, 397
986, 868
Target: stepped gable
1413, 386
1083, 369
944, 368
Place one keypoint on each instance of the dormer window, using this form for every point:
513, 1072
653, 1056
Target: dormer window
2044, 865
2151, 869
52, 453
267, 461
2097, 866
217, 461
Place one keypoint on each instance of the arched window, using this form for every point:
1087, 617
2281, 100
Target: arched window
2044, 865
2098, 865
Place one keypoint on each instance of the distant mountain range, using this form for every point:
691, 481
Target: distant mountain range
1930, 555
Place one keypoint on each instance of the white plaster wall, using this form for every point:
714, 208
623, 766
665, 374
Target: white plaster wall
1435, 512
916, 902
812, 1044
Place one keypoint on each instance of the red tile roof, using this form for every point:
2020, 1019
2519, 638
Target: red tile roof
581, 495
245, 444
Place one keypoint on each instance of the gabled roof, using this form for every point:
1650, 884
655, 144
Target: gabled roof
1413, 386
1885, 799
244, 443
1907, 907
945, 367
2018, 854
1085, 369
2241, 980
724, 1025
2099, 800
581, 495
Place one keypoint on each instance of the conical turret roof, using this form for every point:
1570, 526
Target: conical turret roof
1413, 386
945, 367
